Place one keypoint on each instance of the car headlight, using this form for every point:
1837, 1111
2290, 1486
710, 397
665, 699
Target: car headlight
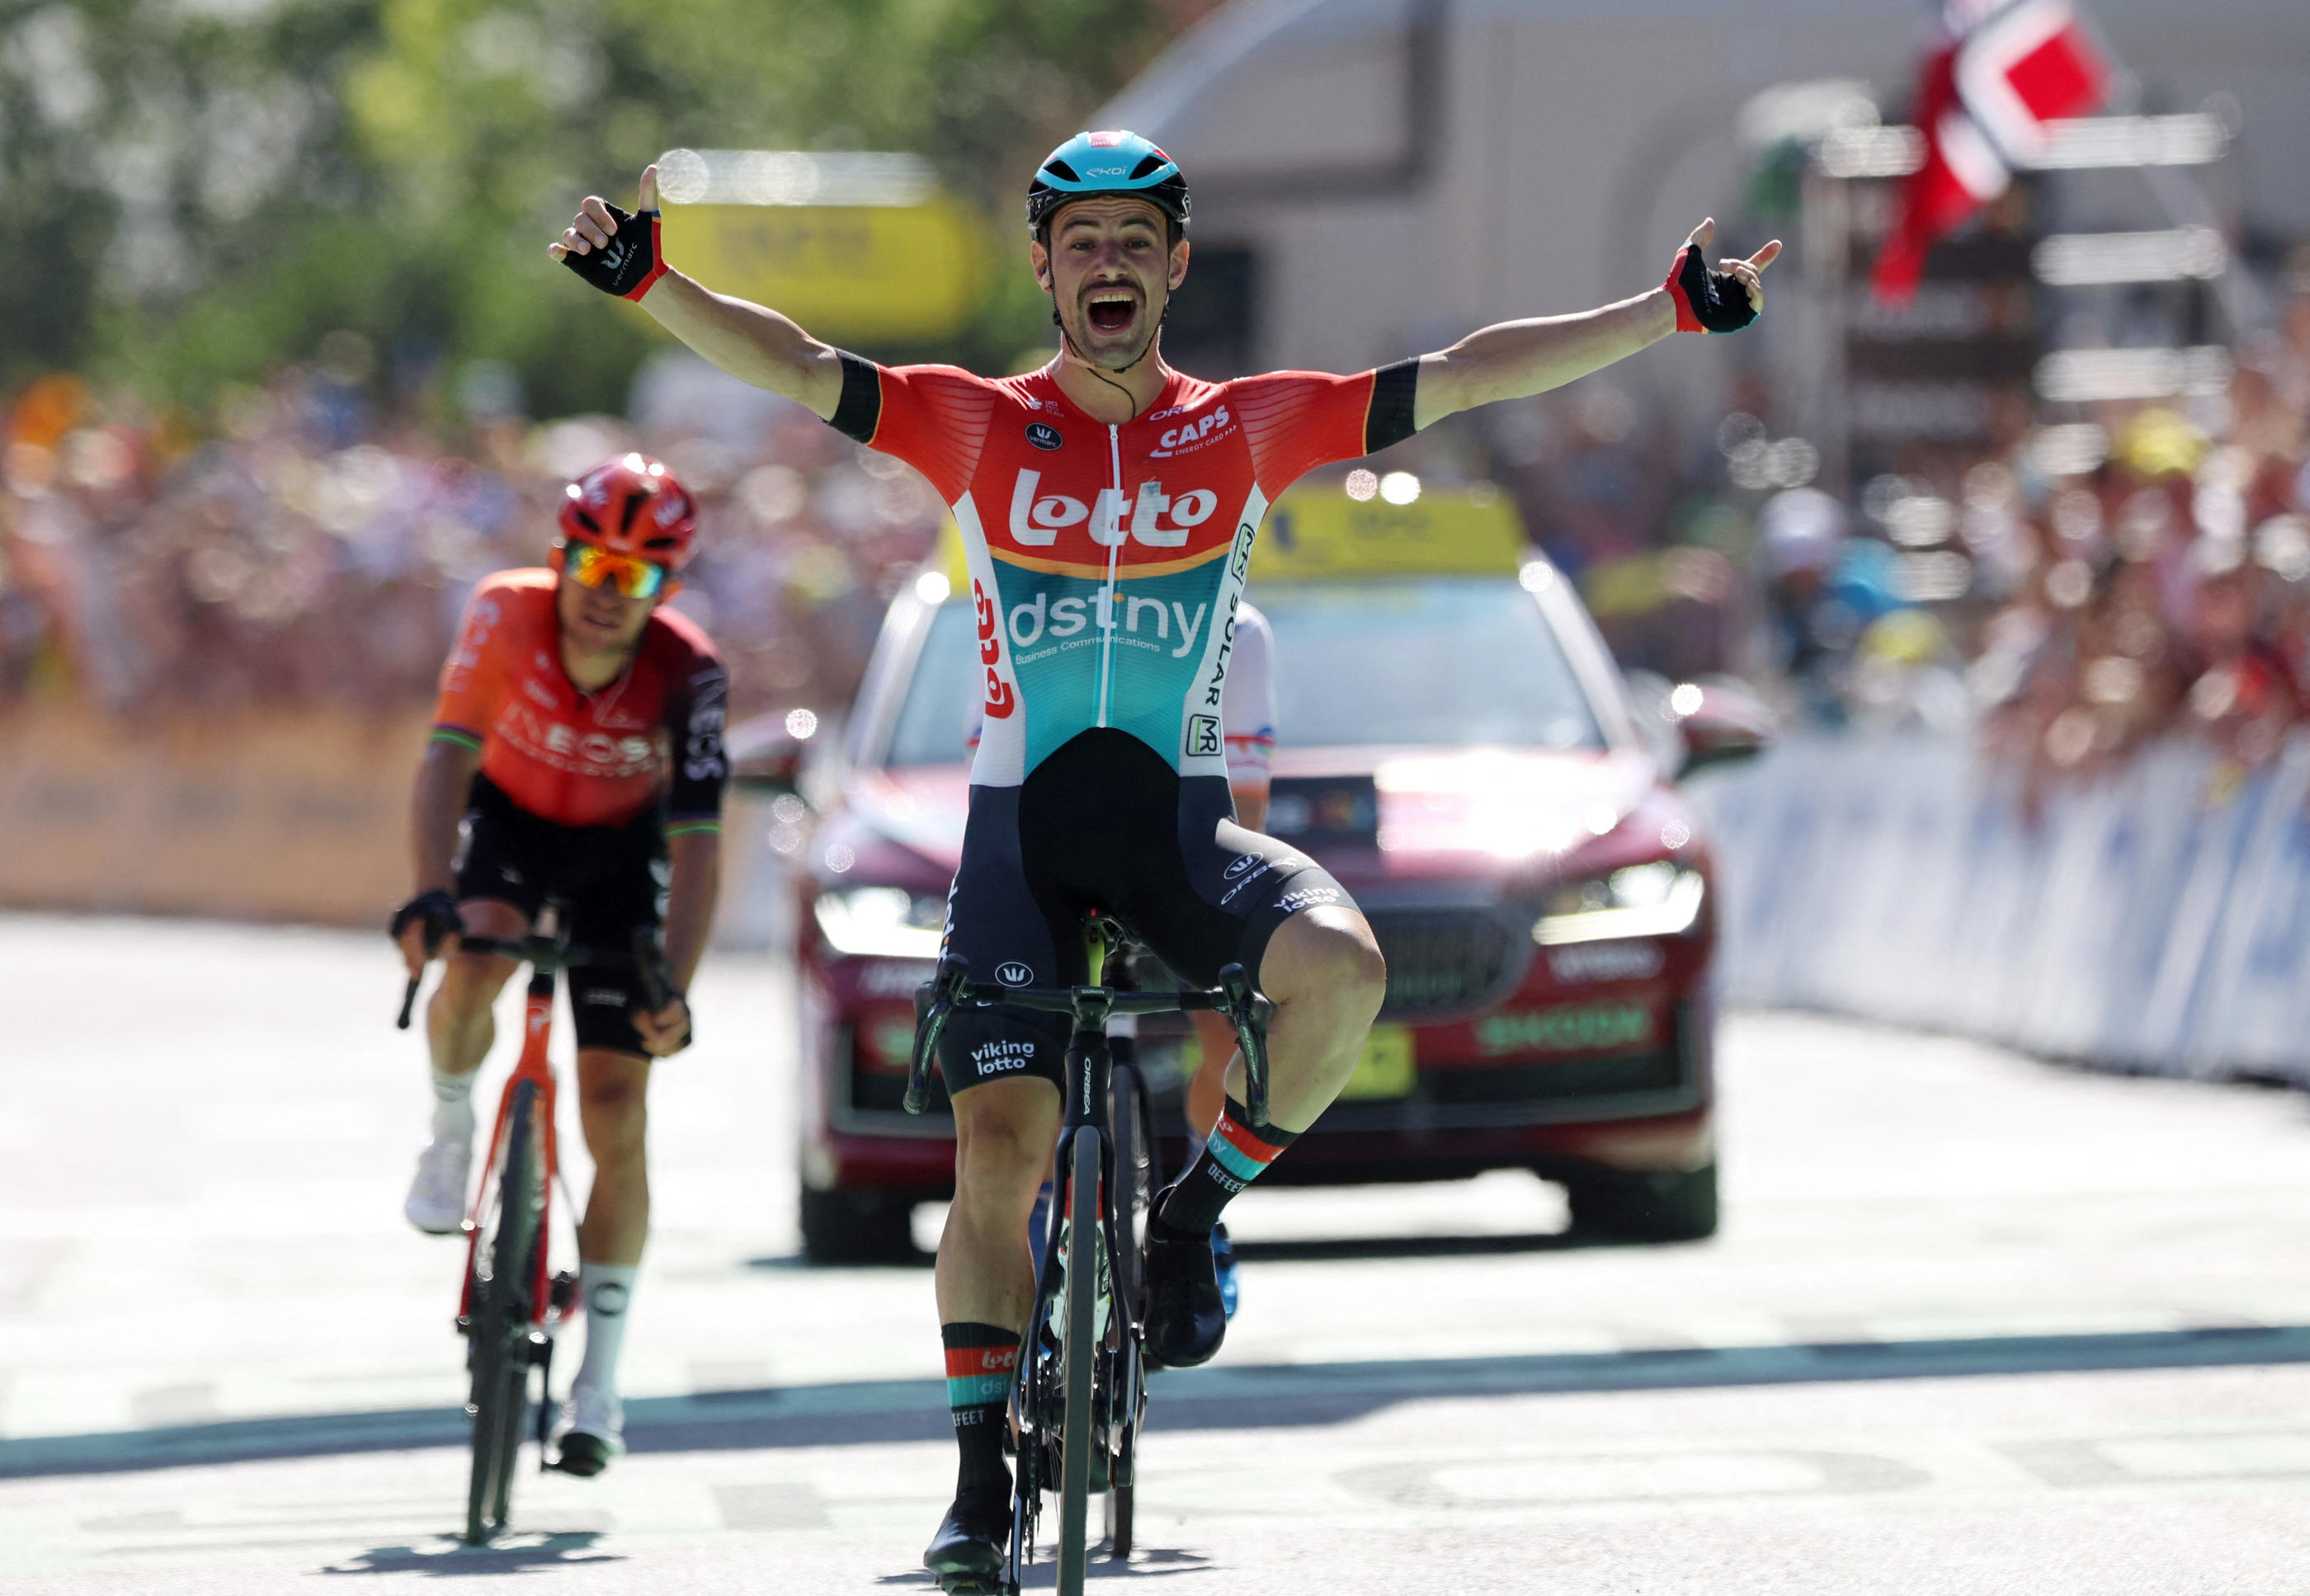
1642, 900
884, 922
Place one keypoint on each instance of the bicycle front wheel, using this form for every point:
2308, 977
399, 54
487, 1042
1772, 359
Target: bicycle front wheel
1138, 1173
503, 1259
1080, 1435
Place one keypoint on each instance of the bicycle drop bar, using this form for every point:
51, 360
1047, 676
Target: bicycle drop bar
952, 988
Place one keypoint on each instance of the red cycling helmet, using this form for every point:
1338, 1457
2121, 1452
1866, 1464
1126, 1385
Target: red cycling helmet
632, 506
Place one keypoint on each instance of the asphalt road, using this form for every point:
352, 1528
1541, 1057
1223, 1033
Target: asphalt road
1975, 1324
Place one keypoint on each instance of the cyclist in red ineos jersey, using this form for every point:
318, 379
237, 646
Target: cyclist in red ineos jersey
1108, 504
576, 756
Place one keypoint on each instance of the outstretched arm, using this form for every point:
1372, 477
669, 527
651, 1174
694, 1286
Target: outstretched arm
751, 342
1515, 359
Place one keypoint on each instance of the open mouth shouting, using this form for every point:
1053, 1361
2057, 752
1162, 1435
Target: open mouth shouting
1111, 309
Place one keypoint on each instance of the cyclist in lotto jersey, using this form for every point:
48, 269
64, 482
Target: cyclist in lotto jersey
1107, 504
580, 737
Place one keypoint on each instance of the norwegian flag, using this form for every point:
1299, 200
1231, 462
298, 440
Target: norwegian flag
2003, 70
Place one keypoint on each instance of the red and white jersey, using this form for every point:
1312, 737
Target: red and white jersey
580, 758
1106, 559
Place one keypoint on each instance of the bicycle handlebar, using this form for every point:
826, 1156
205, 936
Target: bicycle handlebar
952, 988
547, 954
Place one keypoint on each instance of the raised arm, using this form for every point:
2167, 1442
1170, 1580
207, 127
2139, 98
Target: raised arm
1512, 360
617, 251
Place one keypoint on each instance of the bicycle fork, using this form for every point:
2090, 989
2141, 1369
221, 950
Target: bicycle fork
1089, 1078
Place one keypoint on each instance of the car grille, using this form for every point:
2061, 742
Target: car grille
1443, 960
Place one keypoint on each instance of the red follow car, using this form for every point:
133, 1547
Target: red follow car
1456, 747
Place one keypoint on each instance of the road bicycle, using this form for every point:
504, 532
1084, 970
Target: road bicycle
510, 1308
1081, 1397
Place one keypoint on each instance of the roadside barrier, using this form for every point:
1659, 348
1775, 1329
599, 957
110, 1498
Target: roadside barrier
291, 815
2156, 921
299, 815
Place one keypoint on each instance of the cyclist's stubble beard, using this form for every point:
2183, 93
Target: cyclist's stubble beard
1070, 349
599, 629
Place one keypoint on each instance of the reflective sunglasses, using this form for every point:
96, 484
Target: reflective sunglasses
598, 567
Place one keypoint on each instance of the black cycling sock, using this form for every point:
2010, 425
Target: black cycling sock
1232, 1158
980, 1361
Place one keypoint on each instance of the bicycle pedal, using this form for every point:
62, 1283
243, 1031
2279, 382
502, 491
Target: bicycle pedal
970, 1585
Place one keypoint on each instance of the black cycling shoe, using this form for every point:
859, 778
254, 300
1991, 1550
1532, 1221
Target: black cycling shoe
583, 1455
967, 1553
1186, 1317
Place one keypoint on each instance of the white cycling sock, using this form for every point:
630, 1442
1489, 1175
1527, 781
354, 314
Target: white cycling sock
453, 1103
605, 1289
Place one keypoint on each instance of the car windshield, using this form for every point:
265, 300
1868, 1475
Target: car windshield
1439, 662
1434, 661
942, 707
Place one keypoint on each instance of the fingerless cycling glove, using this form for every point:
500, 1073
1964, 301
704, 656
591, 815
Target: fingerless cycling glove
437, 909
1707, 301
629, 263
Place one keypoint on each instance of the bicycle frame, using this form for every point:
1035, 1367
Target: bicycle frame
533, 1067
499, 1340
1087, 1089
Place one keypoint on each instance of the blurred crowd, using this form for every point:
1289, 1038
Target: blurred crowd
2081, 586
2095, 578
299, 547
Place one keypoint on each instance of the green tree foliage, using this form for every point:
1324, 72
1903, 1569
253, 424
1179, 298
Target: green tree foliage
219, 184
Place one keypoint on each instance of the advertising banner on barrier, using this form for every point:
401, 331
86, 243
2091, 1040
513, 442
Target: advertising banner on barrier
285, 816
2158, 920
291, 815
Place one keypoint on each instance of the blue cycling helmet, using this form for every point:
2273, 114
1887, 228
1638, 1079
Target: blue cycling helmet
1116, 162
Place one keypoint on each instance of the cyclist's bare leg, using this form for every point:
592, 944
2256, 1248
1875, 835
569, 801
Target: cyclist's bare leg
459, 1031
613, 1114
459, 1028
1004, 1131
1324, 973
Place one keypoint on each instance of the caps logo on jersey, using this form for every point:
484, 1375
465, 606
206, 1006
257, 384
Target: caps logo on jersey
1013, 974
1043, 435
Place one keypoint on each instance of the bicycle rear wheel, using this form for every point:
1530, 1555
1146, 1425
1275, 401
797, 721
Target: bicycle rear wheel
1079, 1434
503, 1259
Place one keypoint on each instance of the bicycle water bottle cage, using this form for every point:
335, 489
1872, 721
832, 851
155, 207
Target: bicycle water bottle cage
934, 1000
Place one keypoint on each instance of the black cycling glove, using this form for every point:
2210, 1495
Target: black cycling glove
1707, 301
630, 263
689, 1031
438, 911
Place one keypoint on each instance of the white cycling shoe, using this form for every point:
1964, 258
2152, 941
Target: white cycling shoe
592, 1432
436, 1203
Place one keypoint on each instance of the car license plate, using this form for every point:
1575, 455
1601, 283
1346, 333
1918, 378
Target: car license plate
1385, 1070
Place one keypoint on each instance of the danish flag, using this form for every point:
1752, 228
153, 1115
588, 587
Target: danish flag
2003, 70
